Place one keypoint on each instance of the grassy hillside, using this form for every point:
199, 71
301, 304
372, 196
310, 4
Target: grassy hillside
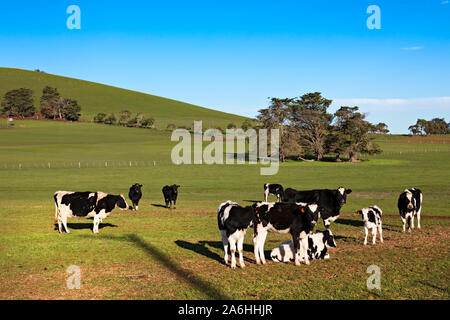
95, 98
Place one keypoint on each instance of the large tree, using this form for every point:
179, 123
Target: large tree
49, 103
308, 115
351, 134
18, 103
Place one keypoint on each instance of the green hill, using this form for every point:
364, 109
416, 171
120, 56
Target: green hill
95, 98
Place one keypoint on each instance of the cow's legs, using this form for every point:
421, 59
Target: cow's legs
258, 244
96, 223
225, 245
304, 249
64, 222
374, 235
174, 203
297, 250
59, 225
266, 195
232, 242
404, 224
366, 233
412, 221
380, 230
240, 247
418, 218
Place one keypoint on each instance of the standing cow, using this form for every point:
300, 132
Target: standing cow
371, 217
274, 189
170, 195
330, 202
233, 221
410, 205
85, 205
135, 194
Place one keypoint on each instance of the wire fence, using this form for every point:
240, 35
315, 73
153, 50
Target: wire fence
84, 164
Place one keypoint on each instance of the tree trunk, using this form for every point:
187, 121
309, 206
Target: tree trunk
338, 158
353, 156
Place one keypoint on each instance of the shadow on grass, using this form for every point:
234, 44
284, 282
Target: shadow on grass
86, 225
349, 222
159, 205
201, 248
184, 275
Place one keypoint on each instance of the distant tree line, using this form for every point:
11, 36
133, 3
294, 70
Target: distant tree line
20, 103
434, 126
125, 119
307, 129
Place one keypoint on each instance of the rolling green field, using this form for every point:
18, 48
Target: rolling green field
94, 98
157, 253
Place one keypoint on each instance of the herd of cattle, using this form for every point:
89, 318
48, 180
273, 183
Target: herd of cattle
296, 212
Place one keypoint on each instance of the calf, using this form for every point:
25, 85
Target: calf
170, 195
318, 243
233, 221
298, 219
274, 189
135, 194
330, 202
372, 220
409, 205
85, 205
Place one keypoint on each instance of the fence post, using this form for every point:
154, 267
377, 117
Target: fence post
79, 164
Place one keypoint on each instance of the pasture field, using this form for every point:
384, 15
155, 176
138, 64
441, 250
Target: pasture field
156, 253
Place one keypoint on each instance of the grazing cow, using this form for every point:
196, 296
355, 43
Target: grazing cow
410, 204
372, 220
318, 243
298, 219
170, 195
330, 202
274, 189
233, 221
135, 194
85, 205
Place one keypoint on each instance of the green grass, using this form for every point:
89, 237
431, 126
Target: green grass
95, 98
157, 253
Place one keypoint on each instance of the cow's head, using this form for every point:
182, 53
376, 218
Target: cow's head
364, 214
310, 211
342, 195
121, 203
328, 239
137, 187
175, 188
409, 200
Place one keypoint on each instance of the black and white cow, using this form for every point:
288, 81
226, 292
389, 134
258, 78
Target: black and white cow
318, 244
330, 202
170, 195
274, 189
298, 219
371, 217
233, 221
410, 205
135, 195
85, 205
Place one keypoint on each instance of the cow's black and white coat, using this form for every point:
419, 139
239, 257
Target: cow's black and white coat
371, 217
274, 189
170, 195
233, 221
330, 202
410, 205
318, 244
298, 219
97, 205
135, 195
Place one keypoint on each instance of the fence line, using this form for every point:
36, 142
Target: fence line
84, 164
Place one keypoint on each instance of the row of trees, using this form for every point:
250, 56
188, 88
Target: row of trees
20, 103
434, 126
125, 119
307, 129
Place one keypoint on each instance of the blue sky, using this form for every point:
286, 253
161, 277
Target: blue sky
233, 55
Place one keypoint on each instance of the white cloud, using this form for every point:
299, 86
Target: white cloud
445, 2
413, 48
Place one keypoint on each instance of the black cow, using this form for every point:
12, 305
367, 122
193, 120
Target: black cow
233, 221
135, 194
409, 205
298, 219
85, 205
170, 195
330, 202
275, 189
